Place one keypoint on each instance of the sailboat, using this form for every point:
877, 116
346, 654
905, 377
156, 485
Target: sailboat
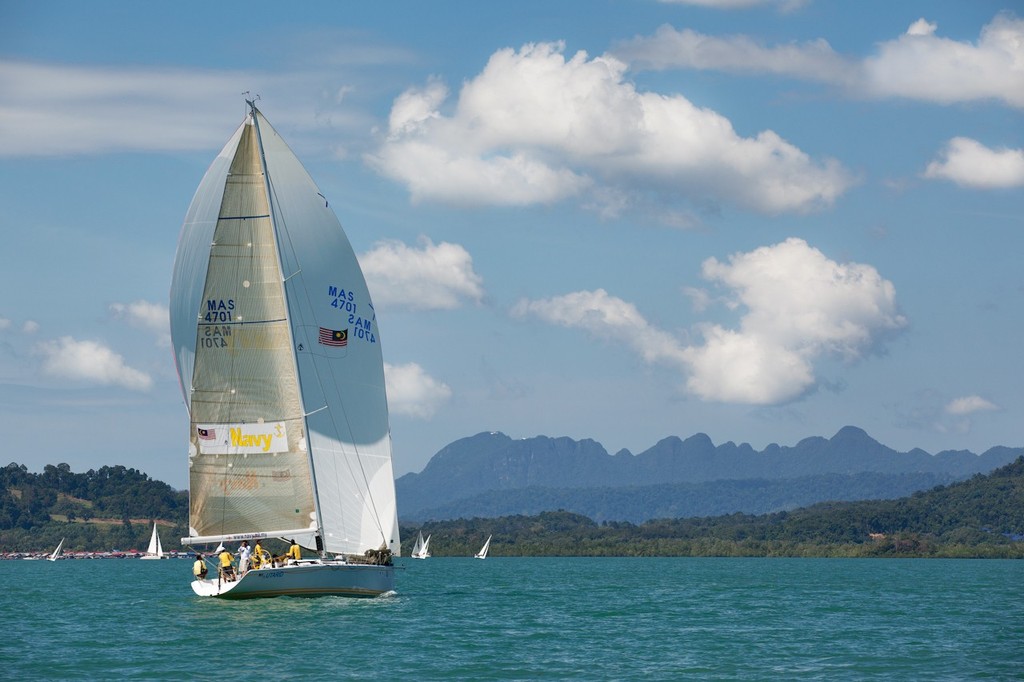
279, 359
482, 554
421, 550
155, 550
57, 553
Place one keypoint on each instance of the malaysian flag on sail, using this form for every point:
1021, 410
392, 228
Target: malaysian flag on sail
333, 337
206, 434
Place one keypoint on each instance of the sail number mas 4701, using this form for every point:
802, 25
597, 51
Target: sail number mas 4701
345, 301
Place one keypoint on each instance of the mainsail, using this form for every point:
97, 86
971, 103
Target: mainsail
279, 356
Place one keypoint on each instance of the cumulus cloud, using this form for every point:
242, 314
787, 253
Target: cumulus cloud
153, 317
413, 392
431, 277
969, 163
89, 361
797, 305
917, 65
921, 65
30, 327
4, 323
969, 405
536, 127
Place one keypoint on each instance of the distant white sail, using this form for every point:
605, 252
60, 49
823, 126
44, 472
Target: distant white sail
57, 553
155, 549
482, 554
421, 550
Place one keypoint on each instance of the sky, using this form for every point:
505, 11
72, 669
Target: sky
621, 220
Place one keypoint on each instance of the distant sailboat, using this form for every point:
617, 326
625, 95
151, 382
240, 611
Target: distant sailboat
482, 554
421, 550
156, 550
279, 359
57, 552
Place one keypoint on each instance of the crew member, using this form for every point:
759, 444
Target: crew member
227, 568
294, 552
199, 568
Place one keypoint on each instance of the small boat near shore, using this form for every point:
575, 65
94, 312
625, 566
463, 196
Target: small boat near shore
482, 554
57, 553
155, 550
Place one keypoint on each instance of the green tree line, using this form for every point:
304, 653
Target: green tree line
99, 510
114, 507
980, 517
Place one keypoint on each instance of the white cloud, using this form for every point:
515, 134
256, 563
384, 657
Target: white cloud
89, 361
534, 127
153, 317
607, 318
431, 277
916, 65
971, 164
799, 306
62, 109
922, 65
969, 405
54, 109
671, 48
413, 392
27, 327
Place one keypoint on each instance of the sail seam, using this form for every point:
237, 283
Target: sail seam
238, 323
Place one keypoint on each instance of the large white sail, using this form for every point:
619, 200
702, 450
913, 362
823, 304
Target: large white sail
278, 353
340, 365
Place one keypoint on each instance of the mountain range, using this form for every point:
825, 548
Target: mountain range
491, 474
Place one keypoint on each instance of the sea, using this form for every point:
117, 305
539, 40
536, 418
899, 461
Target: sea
528, 619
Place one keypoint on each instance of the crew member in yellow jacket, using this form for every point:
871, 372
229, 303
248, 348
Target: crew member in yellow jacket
227, 565
199, 567
294, 552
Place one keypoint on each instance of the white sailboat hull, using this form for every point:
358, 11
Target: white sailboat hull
306, 579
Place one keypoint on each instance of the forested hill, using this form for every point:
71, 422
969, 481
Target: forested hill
980, 517
110, 508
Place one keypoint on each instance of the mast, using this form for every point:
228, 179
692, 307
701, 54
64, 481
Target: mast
253, 111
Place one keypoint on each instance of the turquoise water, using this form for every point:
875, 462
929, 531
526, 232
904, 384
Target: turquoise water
530, 619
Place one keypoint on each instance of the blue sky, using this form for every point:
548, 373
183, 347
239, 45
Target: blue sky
621, 220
